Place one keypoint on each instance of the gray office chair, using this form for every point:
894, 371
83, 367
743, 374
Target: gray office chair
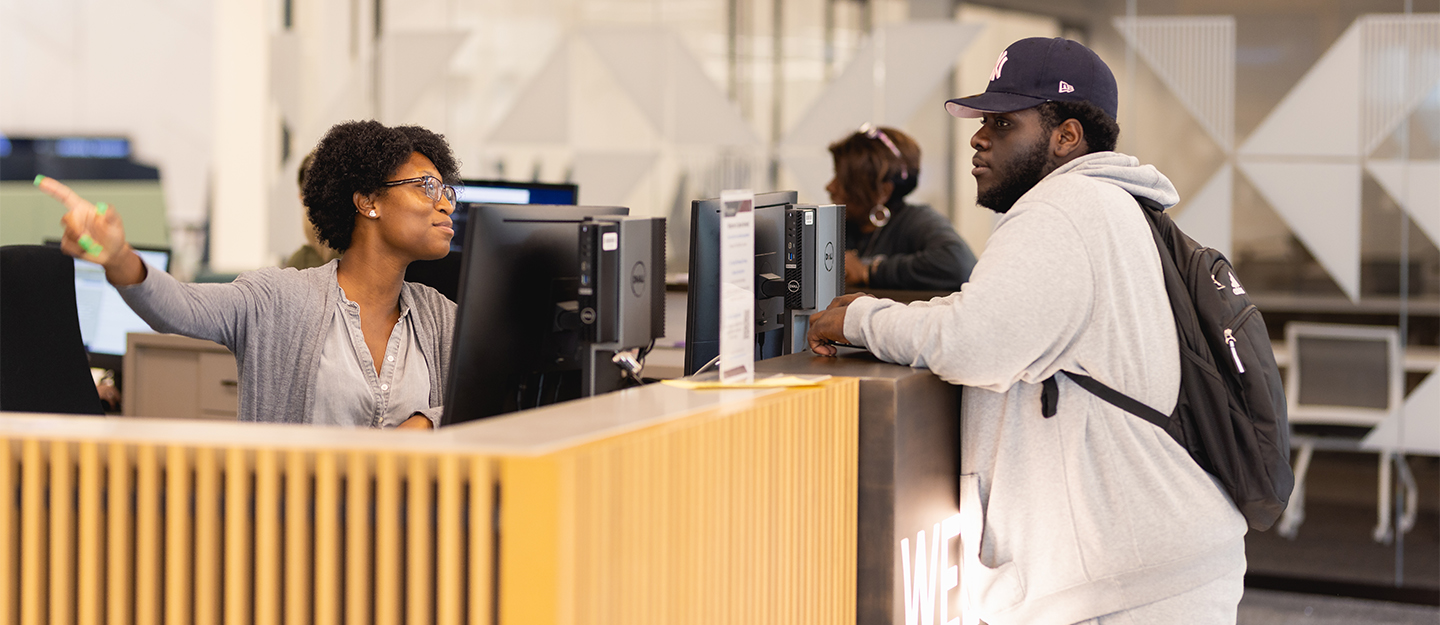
1347, 375
43, 366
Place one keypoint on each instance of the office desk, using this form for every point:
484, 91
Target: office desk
173, 376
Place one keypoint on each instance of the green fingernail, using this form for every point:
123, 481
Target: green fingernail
39, 178
101, 208
89, 245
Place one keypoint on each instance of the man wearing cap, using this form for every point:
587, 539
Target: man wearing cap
1093, 515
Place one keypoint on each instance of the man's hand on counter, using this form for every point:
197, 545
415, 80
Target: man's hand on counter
827, 327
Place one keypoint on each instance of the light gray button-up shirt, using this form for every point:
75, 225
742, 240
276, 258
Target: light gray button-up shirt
351, 390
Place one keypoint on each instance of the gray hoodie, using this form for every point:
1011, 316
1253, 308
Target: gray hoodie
275, 321
1095, 510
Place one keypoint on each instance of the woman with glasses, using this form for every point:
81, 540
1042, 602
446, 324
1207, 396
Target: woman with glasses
891, 244
348, 343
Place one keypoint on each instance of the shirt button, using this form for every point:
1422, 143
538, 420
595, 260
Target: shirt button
390, 358
384, 387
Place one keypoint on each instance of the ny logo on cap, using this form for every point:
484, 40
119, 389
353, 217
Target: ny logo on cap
999, 63
1066, 88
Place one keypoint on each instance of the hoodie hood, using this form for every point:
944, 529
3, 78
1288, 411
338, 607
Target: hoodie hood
1126, 172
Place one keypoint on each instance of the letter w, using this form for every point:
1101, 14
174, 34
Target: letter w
920, 595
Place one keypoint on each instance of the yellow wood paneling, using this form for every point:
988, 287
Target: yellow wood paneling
9, 539
724, 517
741, 513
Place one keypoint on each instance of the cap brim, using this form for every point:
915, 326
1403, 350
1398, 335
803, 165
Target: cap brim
991, 102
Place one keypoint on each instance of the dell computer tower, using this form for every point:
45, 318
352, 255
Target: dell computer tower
621, 292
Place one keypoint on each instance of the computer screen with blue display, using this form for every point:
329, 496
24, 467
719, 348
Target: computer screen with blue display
508, 192
105, 318
444, 274
505, 192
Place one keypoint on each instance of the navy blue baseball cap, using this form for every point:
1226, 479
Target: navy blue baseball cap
1037, 70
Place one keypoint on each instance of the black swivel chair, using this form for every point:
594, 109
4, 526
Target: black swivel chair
43, 366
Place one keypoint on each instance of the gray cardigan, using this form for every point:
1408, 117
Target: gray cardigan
274, 320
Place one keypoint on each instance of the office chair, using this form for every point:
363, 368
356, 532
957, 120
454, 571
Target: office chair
1345, 375
43, 366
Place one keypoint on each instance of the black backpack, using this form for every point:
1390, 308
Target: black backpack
1231, 413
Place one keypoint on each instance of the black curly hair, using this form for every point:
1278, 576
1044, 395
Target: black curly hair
863, 165
361, 156
1101, 132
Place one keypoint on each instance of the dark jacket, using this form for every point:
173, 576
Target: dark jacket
922, 252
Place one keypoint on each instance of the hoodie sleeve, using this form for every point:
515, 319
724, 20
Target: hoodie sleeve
1029, 296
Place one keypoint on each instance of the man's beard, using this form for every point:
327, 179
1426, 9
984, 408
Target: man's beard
1024, 172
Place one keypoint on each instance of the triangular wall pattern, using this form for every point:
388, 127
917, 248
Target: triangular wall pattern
608, 178
704, 115
1206, 217
414, 63
1400, 65
918, 55
1321, 204
845, 104
812, 171
1415, 428
1195, 58
668, 84
1415, 186
1321, 115
542, 112
639, 60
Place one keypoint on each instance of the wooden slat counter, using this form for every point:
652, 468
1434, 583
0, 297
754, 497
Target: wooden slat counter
652, 505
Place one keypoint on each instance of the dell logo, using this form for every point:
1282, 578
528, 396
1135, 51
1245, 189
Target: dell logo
830, 256
793, 286
637, 279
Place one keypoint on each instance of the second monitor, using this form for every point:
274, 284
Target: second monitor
799, 268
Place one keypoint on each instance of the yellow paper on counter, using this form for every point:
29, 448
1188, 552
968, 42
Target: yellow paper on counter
779, 380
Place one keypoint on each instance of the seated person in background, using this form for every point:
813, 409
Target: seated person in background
348, 343
313, 253
890, 244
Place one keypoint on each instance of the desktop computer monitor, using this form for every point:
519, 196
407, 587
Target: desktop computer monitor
702, 314
799, 268
444, 274
515, 345
105, 318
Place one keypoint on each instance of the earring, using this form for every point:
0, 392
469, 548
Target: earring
879, 216
372, 212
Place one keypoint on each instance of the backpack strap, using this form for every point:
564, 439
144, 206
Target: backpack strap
1049, 397
1115, 398
1050, 391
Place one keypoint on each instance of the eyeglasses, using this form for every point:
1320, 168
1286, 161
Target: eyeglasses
872, 131
434, 189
